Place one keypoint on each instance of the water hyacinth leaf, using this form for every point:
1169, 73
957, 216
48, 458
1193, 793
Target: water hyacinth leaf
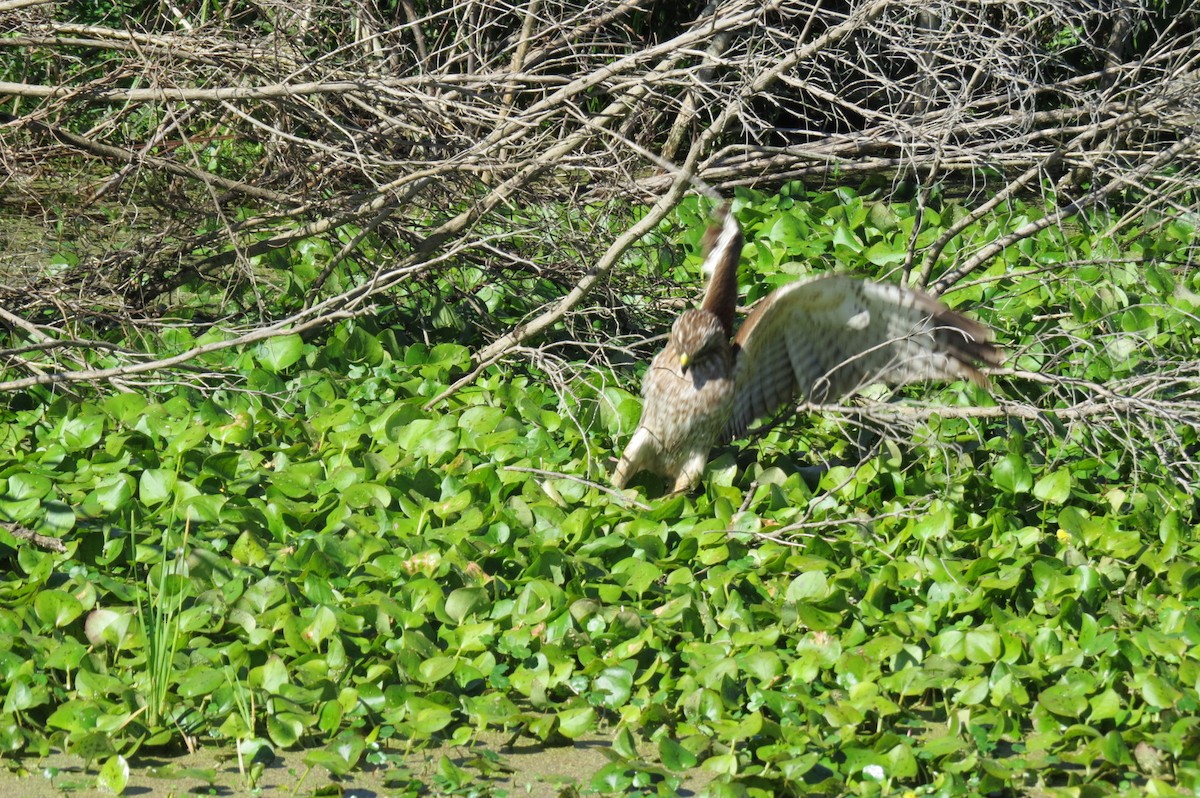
112, 493
1012, 474
57, 608
786, 230
128, 408
155, 485
203, 508
613, 686
113, 776
105, 627
722, 764
844, 237
674, 756
982, 645
58, 518
465, 601
1063, 700
66, 656
577, 721
206, 775
322, 625
20, 696
25, 510
885, 253
285, 728
811, 586
187, 438
1156, 691
426, 717
81, 433
237, 431
257, 750
277, 353
339, 756
271, 675
615, 777
362, 347
200, 681
91, 745
435, 669
452, 506
28, 486
367, 494
899, 762
1055, 487
247, 550
329, 718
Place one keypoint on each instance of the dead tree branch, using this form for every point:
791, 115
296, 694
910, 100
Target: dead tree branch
438, 153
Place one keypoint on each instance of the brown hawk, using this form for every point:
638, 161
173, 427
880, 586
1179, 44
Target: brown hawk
818, 339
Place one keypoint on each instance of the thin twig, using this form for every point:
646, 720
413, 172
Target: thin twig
541, 472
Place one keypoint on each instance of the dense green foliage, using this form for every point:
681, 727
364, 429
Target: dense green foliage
310, 557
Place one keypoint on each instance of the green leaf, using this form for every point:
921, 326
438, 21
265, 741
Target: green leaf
112, 493
340, 756
200, 681
108, 627
81, 433
92, 745
1063, 700
613, 686
427, 717
247, 549
845, 237
156, 484
434, 669
114, 775
886, 253
465, 601
322, 625
364, 348
576, 722
57, 608
284, 728
982, 645
1157, 692
271, 676
1055, 487
28, 486
276, 354
674, 756
786, 230
811, 586
1012, 475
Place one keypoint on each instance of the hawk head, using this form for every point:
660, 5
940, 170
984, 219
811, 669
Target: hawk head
696, 336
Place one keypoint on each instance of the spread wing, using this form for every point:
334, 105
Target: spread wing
822, 338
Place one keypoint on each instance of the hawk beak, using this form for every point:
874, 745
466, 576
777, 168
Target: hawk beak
684, 360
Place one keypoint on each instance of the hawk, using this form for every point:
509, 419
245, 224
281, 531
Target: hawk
817, 339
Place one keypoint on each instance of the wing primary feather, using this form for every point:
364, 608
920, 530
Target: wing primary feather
823, 338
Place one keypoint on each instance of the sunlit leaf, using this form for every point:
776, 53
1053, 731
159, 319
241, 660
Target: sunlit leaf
277, 353
1012, 474
57, 608
1054, 488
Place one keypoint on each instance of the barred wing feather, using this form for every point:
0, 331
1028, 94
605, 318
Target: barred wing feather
823, 338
